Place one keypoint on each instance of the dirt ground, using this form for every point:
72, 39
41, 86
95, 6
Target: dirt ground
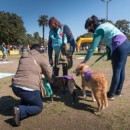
62, 114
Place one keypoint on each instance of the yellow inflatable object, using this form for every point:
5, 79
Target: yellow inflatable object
12, 52
83, 40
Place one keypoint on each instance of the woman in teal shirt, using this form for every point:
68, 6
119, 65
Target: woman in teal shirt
58, 35
119, 46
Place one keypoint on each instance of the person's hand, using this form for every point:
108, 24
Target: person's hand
51, 62
81, 64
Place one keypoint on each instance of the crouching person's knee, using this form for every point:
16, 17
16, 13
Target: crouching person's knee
39, 109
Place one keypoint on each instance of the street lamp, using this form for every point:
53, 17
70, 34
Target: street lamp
106, 1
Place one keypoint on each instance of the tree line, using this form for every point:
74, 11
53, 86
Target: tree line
13, 31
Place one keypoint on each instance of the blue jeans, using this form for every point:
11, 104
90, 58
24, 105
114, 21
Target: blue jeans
119, 58
31, 102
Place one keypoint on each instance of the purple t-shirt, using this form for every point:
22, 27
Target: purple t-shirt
117, 41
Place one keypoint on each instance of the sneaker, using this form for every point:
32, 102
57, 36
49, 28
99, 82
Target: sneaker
119, 95
110, 97
16, 118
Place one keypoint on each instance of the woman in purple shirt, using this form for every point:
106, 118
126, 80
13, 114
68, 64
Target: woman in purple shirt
119, 46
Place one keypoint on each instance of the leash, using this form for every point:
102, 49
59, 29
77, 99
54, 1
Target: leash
98, 58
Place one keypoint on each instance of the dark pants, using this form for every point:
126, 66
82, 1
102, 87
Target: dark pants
119, 58
64, 69
31, 102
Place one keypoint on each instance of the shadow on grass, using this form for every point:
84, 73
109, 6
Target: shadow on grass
80, 103
84, 53
68, 101
6, 106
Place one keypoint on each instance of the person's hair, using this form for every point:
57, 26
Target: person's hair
37, 47
54, 21
93, 20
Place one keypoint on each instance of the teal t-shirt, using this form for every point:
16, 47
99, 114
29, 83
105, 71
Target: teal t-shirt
57, 39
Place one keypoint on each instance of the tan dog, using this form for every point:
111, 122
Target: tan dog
97, 82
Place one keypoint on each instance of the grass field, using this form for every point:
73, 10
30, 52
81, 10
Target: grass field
62, 115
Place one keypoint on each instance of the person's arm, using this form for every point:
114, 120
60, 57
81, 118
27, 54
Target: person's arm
70, 38
44, 67
96, 40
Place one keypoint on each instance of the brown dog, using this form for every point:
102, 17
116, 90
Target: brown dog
97, 82
64, 83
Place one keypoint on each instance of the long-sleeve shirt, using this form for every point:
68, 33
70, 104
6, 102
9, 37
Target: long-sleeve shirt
27, 74
59, 34
109, 34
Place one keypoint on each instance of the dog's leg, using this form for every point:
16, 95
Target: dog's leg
93, 98
74, 97
105, 99
98, 111
102, 103
98, 99
51, 98
71, 86
84, 94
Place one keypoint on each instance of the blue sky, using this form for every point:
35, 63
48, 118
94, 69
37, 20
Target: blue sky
70, 12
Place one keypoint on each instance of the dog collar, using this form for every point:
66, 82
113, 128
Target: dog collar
66, 76
87, 75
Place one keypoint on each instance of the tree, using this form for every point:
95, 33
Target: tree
30, 39
38, 39
123, 25
43, 21
12, 28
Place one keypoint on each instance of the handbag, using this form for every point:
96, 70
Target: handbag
47, 86
64, 53
65, 48
61, 57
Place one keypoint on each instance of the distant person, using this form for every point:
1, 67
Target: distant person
8, 49
119, 46
58, 35
26, 83
4, 52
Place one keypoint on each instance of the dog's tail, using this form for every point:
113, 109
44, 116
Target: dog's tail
77, 87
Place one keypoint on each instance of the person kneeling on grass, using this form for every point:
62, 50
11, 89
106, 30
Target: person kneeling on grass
26, 83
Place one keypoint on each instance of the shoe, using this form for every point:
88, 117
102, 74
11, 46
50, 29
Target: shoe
16, 118
110, 97
119, 95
